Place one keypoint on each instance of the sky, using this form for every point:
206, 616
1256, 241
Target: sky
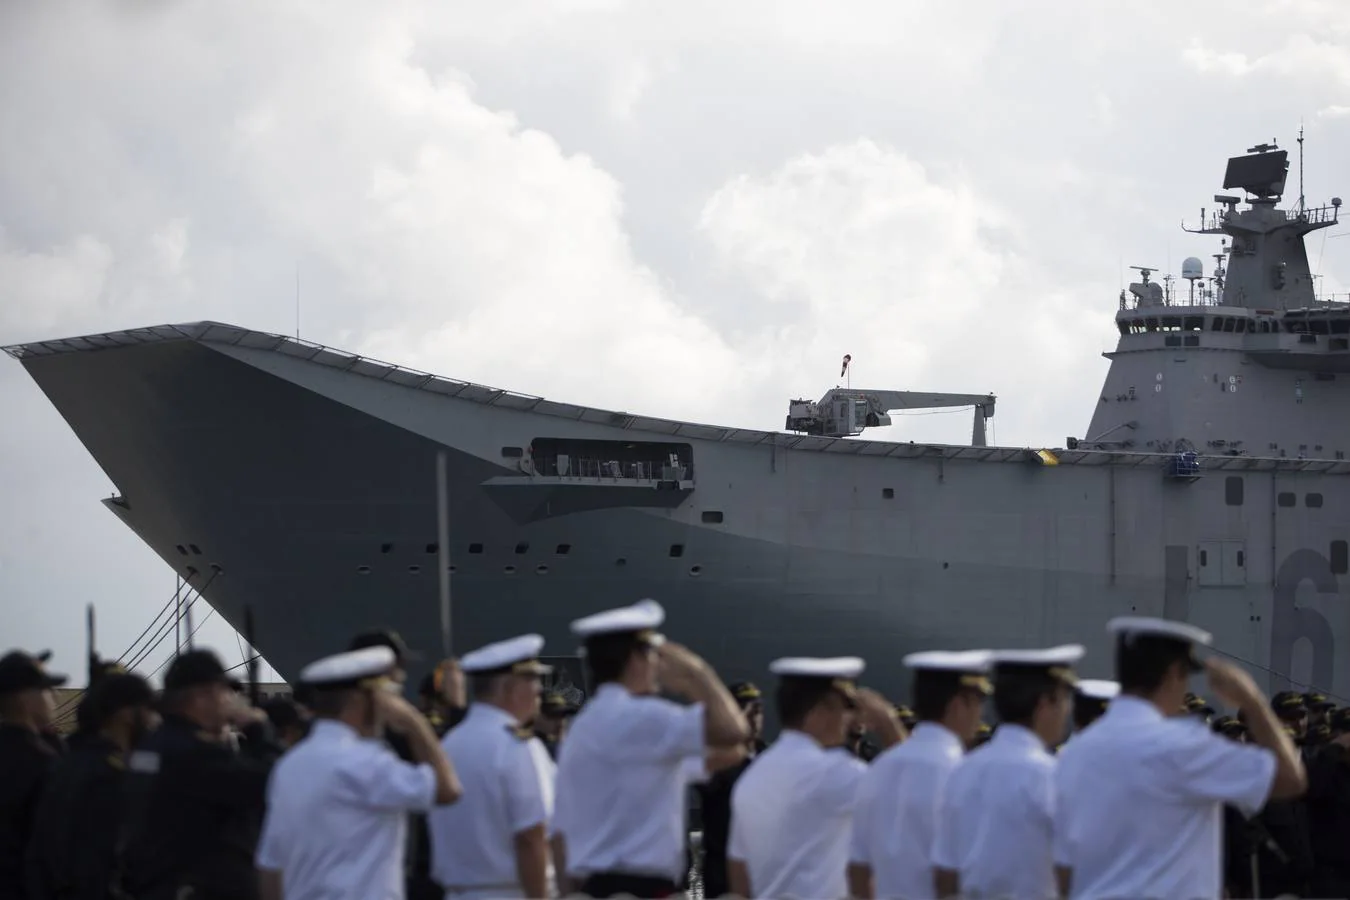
690, 210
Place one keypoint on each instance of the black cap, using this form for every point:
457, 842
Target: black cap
21, 672
746, 692
1317, 700
385, 638
117, 691
1288, 704
195, 668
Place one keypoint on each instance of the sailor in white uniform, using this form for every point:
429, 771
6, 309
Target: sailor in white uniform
494, 841
338, 801
1140, 794
623, 772
894, 827
996, 823
1091, 697
792, 811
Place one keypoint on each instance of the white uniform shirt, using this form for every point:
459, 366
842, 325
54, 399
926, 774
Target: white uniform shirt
337, 813
623, 778
895, 826
1139, 803
995, 826
508, 787
791, 813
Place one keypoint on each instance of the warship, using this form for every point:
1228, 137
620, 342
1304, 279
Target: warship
1210, 486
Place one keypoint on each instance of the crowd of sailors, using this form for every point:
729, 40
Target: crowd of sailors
491, 787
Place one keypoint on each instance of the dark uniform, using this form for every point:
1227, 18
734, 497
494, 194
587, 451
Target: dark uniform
195, 804
26, 757
74, 854
553, 705
714, 797
1329, 813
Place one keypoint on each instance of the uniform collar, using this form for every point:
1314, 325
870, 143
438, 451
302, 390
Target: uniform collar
791, 737
936, 734
487, 714
1129, 708
333, 730
1017, 737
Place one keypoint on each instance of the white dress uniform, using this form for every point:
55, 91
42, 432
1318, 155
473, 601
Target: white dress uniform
896, 821
792, 810
996, 824
508, 784
338, 803
623, 771
1140, 796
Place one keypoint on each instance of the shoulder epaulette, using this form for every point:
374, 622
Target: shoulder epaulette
115, 760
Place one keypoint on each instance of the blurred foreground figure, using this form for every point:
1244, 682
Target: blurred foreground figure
792, 811
995, 827
623, 771
494, 842
74, 852
194, 801
26, 756
337, 803
1140, 793
895, 826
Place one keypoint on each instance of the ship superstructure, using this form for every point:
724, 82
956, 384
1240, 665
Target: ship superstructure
1209, 486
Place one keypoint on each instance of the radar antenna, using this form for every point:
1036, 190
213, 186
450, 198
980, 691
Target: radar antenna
1300, 167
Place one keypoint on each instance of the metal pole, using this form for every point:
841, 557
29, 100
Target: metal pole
443, 547
178, 618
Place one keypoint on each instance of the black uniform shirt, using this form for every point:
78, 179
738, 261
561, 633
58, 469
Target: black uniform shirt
73, 854
195, 810
25, 760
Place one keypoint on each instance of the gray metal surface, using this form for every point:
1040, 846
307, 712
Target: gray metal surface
307, 477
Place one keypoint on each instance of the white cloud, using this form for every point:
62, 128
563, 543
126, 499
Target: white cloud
690, 210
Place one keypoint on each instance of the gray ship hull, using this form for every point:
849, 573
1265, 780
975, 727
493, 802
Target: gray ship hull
307, 478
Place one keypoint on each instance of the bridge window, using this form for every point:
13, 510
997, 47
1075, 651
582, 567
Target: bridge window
712, 516
1286, 499
677, 549
512, 452
386, 548
475, 548
563, 549
1340, 558
522, 548
1314, 501
888, 493
433, 548
1232, 490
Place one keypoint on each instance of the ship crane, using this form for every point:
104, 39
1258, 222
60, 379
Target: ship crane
845, 412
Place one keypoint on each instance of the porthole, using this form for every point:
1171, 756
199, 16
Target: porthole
414, 570
541, 569
621, 561
509, 570
363, 570
385, 548
695, 571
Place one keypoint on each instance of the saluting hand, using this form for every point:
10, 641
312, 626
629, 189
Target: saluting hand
878, 716
1232, 684
398, 714
679, 665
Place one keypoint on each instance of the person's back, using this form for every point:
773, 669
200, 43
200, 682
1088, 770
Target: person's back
899, 800
76, 828
323, 779
1000, 801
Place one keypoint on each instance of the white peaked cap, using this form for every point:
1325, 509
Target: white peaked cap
518, 654
1141, 626
813, 667
949, 661
350, 667
1099, 690
1066, 655
643, 617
